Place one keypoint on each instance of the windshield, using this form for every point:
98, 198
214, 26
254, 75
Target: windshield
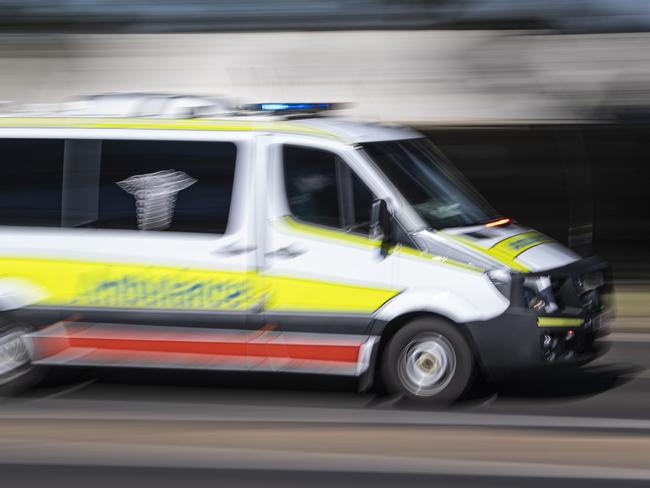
437, 191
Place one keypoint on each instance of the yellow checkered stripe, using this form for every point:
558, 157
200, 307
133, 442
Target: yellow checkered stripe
507, 250
515, 245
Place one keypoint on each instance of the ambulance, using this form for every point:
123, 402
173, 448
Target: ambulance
274, 237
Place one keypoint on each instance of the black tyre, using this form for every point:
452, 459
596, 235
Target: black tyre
17, 373
428, 359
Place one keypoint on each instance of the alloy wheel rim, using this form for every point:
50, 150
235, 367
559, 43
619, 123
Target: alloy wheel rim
426, 365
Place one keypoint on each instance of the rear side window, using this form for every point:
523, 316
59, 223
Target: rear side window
31, 175
181, 186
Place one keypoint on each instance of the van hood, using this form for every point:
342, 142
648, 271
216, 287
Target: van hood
519, 248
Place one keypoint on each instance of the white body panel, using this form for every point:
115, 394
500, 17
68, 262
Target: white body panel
255, 229
17, 293
316, 258
230, 252
450, 291
424, 285
547, 256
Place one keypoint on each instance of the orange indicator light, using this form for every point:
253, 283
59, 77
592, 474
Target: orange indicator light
496, 223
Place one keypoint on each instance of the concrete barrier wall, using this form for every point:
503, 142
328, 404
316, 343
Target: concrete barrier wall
416, 77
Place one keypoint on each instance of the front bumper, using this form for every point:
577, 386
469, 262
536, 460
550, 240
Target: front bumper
515, 341
521, 339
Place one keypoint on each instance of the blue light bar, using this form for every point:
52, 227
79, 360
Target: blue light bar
295, 106
292, 107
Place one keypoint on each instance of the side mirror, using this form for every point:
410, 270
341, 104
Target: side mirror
382, 226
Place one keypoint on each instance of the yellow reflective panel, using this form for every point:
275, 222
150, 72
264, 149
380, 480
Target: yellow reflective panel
117, 285
112, 285
292, 294
559, 322
303, 294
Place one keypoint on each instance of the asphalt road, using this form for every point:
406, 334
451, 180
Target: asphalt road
102, 477
103, 428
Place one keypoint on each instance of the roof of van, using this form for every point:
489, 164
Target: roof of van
341, 129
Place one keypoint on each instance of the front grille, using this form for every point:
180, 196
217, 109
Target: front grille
581, 289
591, 302
590, 288
573, 296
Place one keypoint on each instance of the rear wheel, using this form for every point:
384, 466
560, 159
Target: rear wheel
17, 373
428, 359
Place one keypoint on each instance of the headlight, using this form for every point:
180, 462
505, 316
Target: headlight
502, 280
538, 294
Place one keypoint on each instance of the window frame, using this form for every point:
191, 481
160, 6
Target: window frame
344, 173
35, 136
242, 143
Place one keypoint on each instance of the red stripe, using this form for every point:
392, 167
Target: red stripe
107, 357
324, 352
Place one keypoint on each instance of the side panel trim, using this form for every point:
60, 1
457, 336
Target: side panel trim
166, 347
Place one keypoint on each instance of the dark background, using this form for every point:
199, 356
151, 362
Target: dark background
560, 177
583, 183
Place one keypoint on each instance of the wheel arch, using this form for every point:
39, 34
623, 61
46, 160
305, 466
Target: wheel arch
385, 330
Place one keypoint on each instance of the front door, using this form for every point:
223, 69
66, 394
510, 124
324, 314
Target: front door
325, 277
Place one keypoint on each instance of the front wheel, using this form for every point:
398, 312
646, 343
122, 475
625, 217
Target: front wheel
428, 359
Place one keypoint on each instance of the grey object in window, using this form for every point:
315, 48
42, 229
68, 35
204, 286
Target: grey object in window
155, 196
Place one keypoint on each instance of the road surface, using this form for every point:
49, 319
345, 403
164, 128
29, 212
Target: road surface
108, 428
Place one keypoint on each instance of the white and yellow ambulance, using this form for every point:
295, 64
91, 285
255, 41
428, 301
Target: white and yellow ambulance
273, 239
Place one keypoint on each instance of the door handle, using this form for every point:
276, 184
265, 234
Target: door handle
286, 252
234, 250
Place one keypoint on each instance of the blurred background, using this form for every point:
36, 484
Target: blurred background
543, 104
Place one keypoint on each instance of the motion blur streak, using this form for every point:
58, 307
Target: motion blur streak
196, 348
543, 104
589, 425
416, 77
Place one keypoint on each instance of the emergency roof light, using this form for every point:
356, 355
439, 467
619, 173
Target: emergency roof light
278, 108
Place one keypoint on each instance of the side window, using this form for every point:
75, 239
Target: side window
322, 189
181, 186
311, 185
31, 177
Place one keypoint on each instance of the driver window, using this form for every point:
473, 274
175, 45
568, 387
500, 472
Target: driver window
323, 190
